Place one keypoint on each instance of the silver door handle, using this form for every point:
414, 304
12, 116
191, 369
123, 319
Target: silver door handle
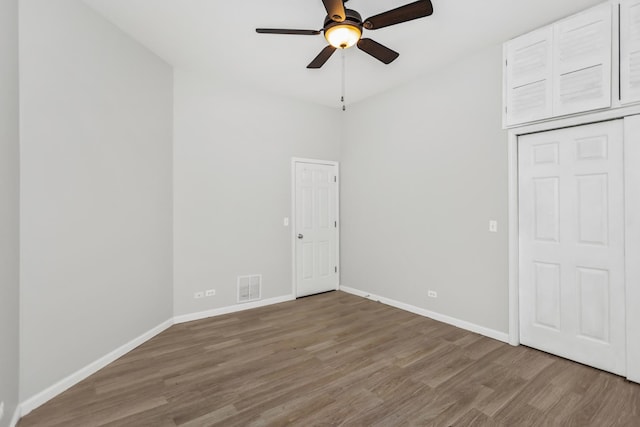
300, 236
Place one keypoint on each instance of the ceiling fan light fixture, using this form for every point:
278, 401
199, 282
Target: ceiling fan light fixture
343, 36
343, 28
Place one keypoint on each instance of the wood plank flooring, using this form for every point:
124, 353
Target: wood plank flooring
337, 359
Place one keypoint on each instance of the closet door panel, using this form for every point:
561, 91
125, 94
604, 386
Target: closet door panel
572, 245
632, 242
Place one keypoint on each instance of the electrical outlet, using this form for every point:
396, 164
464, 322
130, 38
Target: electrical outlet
432, 294
493, 226
210, 292
198, 295
1, 410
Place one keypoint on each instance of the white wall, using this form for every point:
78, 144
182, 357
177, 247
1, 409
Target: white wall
9, 203
232, 185
424, 168
96, 129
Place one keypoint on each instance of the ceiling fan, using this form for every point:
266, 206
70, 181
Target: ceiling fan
343, 28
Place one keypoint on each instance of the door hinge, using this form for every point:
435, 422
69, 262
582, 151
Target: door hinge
336, 269
335, 224
335, 178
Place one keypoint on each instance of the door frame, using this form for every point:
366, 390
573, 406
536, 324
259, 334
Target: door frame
632, 227
292, 222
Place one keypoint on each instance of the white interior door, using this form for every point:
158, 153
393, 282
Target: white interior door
316, 216
571, 221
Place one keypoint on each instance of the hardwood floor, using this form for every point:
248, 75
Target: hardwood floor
337, 359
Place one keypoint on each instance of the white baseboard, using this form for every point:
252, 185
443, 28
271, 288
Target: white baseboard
44, 396
17, 414
463, 324
231, 309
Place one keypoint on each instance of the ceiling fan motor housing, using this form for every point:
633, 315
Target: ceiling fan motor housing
353, 18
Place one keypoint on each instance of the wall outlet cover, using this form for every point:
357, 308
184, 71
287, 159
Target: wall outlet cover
210, 292
198, 294
432, 294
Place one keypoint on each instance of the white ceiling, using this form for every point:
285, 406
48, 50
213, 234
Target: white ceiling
218, 37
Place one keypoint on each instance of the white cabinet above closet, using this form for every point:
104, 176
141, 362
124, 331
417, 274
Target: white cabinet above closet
529, 76
560, 69
629, 51
582, 62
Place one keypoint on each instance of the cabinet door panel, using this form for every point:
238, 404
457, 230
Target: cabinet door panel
582, 61
630, 51
528, 77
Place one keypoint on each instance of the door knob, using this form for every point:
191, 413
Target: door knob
300, 236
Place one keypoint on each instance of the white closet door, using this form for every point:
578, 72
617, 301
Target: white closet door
571, 208
582, 61
632, 243
630, 51
528, 77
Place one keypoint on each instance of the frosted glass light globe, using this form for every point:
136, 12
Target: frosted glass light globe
343, 36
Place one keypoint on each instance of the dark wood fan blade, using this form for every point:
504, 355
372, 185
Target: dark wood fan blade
408, 12
378, 51
282, 31
335, 9
322, 57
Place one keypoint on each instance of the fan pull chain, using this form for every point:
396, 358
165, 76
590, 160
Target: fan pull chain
344, 79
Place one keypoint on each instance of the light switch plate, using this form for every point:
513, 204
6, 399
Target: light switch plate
493, 226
